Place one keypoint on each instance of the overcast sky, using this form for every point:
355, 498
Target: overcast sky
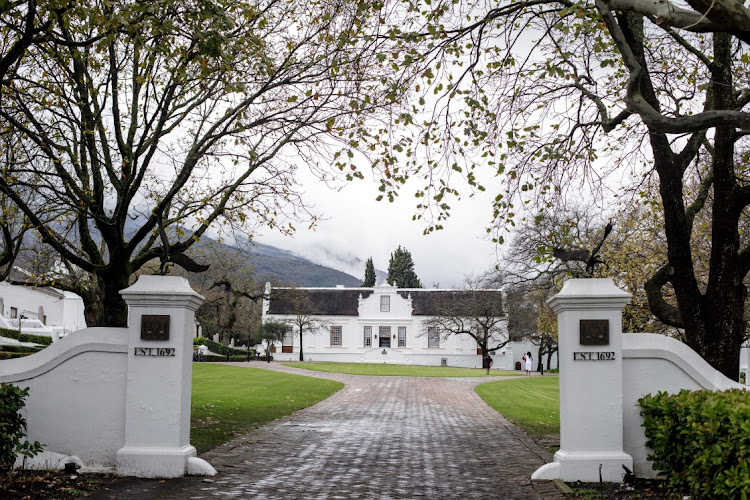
359, 226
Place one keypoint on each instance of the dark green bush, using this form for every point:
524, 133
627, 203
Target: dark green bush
37, 339
19, 348
701, 440
25, 337
11, 355
13, 426
222, 349
8, 333
214, 358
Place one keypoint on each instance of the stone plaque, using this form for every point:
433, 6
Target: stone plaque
594, 332
155, 327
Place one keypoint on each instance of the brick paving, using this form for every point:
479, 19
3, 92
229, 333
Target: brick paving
378, 437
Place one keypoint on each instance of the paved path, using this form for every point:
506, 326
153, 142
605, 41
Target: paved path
378, 437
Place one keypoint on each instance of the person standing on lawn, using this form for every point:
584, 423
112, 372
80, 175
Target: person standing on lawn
528, 360
487, 363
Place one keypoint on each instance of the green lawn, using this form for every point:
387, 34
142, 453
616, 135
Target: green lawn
232, 400
531, 403
383, 369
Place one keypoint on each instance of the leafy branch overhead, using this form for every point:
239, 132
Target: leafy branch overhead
134, 127
556, 100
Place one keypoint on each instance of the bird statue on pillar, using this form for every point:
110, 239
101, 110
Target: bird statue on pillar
591, 259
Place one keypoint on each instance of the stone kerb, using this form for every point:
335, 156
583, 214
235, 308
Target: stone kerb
159, 377
591, 392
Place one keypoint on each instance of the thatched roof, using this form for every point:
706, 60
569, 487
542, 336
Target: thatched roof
317, 301
466, 303
425, 302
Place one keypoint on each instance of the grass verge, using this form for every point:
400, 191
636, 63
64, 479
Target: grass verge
386, 370
532, 403
232, 400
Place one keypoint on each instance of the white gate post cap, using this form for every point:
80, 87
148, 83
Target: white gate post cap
589, 293
148, 284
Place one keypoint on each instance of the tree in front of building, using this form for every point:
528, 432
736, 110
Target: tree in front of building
401, 270
139, 125
557, 95
474, 311
305, 316
370, 279
270, 333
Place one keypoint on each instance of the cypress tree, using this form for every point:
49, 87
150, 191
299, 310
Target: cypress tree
369, 274
401, 270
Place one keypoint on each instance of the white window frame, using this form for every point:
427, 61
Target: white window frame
337, 335
288, 336
401, 336
368, 336
385, 303
433, 338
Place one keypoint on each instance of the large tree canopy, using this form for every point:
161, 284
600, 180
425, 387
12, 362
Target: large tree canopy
127, 118
559, 98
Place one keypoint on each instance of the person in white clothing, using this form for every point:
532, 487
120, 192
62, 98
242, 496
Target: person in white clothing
528, 360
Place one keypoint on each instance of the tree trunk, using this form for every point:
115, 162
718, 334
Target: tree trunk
301, 355
724, 299
713, 321
103, 305
539, 364
115, 310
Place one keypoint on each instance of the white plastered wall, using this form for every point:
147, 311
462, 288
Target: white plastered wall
76, 386
653, 363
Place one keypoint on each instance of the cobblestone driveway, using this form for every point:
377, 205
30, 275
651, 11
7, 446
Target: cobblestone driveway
378, 437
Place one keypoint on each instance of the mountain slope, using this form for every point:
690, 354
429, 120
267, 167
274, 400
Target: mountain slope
283, 267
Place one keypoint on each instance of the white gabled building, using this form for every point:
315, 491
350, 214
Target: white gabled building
52, 307
383, 324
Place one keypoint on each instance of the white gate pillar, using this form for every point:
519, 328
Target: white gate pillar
159, 377
589, 319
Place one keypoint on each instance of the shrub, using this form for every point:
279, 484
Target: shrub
20, 348
8, 333
214, 358
701, 440
11, 355
25, 337
13, 426
200, 341
37, 339
222, 349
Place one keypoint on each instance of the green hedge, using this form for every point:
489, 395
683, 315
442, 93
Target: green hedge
11, 355
223, 349
25, 337
19, 348
701, 440
212, 358
37, 339
8, 333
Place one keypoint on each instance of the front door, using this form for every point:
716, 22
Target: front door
384, 333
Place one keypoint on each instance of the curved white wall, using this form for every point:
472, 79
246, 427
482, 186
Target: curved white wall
653, 363
75, 404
